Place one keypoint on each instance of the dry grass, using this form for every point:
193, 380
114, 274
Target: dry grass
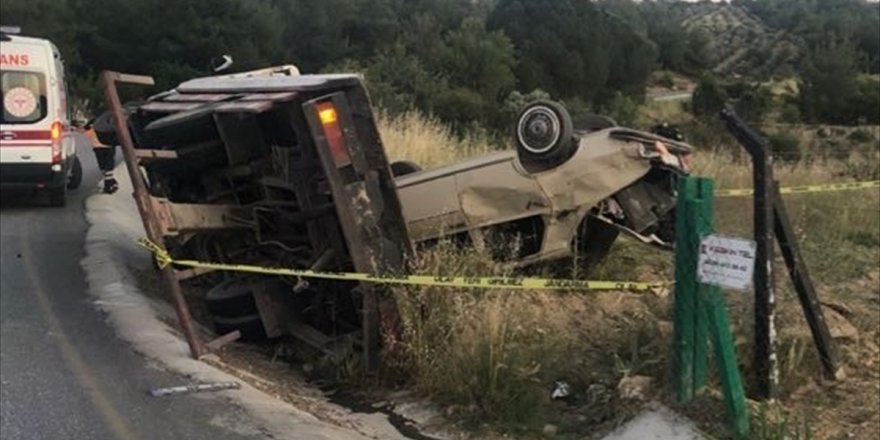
426, 141
492, 356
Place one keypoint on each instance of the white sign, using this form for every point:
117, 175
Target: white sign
726, 262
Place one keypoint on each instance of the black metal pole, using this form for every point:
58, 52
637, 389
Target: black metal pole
765, 360
803, 285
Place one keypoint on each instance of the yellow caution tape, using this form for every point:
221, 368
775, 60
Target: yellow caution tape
520, 283
828, 187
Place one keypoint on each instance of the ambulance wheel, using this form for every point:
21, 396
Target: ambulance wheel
76, 174
58, 196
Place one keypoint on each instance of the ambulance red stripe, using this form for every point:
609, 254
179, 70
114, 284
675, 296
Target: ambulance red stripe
26, 135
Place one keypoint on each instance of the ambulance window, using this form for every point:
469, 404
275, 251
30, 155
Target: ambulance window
24, 97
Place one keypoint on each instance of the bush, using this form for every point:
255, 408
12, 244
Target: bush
709, 97
860, 136
666, 80
785, 146
790, 113
623, 109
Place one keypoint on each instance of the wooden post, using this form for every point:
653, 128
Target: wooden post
800, 277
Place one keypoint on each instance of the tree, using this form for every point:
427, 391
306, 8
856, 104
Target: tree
829, 85
479, 65
709, 97
573, 49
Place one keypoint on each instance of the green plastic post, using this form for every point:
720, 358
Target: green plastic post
703, 211
685, 289
725, 355
713, 314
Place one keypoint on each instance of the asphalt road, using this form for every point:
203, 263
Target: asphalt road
64, 373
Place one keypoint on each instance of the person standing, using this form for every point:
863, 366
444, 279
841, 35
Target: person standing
105, 155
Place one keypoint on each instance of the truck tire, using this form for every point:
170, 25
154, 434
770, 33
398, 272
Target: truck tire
232, 298
76, 174
250, 326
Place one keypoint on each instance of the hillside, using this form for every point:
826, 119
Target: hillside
739, 43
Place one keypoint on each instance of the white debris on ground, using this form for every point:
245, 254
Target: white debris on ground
656, 423
114, 227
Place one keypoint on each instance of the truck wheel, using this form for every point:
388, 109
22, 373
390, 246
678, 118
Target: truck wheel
544, 135
250, 326
58, 196
594, 242
76, 174
232, 298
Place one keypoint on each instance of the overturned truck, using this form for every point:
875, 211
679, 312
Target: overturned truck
290, 171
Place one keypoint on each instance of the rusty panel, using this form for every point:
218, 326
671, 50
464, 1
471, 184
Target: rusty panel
145, 155
196, 97
168, 107
244, 107
277, 97
176, 218
269, 83
273, 310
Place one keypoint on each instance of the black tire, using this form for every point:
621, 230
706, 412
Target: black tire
76, 174
232, 298
544, 135
594, 241
250, 326
58, 196
404, 167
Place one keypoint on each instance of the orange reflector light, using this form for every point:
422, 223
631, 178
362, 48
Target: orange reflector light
333, 134
327, 114
55, 133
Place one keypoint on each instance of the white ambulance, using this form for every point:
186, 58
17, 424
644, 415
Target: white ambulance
37, 148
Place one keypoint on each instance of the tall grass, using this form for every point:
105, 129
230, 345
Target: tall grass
426, 141
493, 356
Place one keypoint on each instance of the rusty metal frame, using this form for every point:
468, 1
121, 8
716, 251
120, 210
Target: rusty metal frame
367, 207
154, 225
177, 218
